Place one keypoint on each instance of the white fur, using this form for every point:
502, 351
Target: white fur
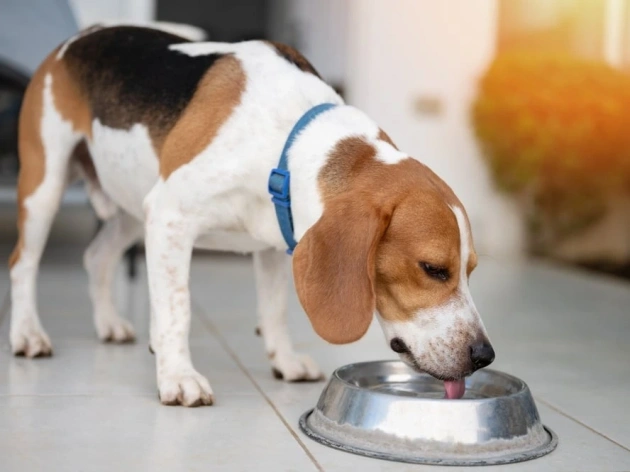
439, 323
126, 164
239, 242
203, 49
388, 154
465, 250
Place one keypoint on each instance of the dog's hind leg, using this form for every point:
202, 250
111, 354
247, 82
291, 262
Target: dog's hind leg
119, 231
101, 259
271, 270
46, 142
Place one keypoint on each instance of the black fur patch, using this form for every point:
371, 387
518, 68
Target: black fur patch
129, 75
294, 57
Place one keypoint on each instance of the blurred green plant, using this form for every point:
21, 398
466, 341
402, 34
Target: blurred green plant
555, 131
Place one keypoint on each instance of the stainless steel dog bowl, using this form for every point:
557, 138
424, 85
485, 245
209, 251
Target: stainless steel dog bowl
387, 410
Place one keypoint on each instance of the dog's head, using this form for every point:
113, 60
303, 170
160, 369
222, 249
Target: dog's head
393, 239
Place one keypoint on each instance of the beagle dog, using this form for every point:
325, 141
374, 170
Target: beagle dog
176, 140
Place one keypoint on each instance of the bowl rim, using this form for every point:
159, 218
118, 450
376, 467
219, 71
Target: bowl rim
522, 385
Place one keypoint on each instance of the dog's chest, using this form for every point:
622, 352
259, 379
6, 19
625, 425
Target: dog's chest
231, 241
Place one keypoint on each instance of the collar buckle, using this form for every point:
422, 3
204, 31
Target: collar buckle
279, 187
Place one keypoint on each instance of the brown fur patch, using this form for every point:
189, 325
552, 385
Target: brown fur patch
348, 160
294, 57
423, 230
383, 136
380, 221
334, 268
30, 147
69, 101
218, 94
31, 152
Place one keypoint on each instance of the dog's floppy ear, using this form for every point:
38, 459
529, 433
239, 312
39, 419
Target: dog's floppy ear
334, 268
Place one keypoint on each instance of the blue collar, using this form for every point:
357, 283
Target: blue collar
280, 177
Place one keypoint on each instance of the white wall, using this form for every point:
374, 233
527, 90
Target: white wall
138, 12
399, 50
89, 12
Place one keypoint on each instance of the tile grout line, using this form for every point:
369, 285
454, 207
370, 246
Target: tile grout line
219, 337
75, 395
593, 430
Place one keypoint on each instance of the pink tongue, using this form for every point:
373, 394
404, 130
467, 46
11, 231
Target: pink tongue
454, 389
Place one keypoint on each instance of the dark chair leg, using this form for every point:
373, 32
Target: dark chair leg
132, 261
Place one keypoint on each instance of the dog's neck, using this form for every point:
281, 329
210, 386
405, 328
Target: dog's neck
314, 149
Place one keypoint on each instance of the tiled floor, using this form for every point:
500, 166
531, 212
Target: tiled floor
93, 407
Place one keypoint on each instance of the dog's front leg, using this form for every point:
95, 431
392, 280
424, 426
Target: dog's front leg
169, 242
272, 277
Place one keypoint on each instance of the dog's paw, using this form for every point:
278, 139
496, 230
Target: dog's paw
188, 389
29, 339
114, 329
294, 367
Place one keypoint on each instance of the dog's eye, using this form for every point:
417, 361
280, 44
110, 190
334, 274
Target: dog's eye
435, 272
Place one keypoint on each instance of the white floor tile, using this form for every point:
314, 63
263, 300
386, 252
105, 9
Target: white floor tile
95, 407
539, 335
99, 369
580, 449
134, 433
566, 335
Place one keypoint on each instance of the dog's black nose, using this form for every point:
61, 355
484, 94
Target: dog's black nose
399, 346
481, 354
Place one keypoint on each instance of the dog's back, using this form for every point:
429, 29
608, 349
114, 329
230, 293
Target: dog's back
147, 101
130, 75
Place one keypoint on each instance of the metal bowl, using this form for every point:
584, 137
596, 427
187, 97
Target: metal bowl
387, 410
